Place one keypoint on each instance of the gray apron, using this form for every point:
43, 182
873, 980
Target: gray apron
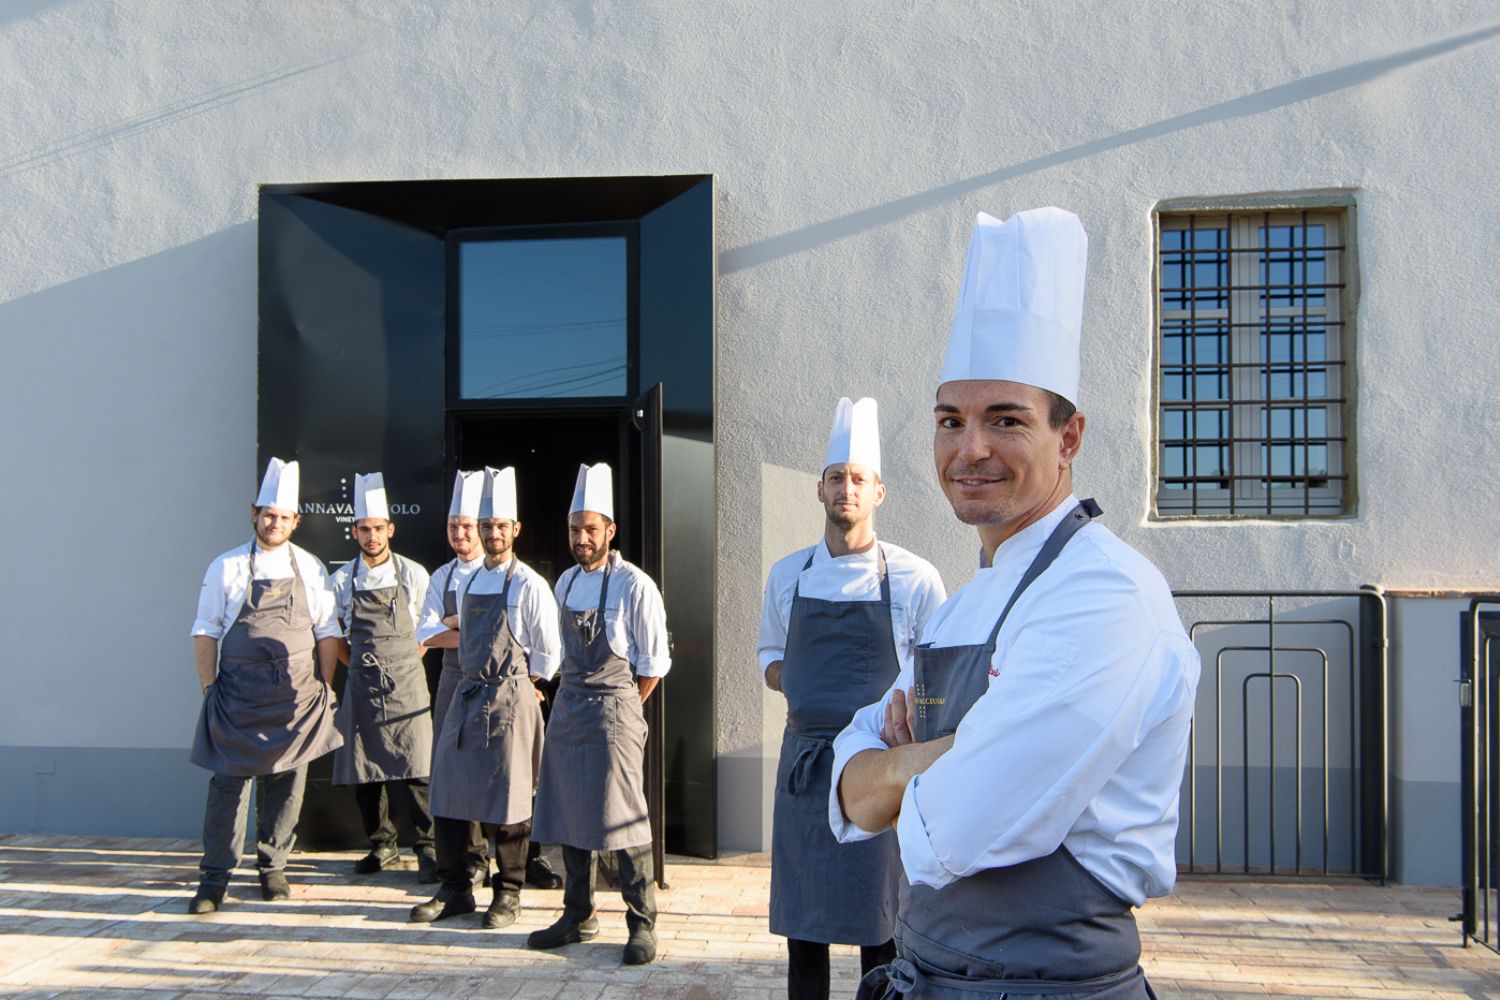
267, 710
448, 677
485, 764
383, 714
840, 656
592, 790
1042, 928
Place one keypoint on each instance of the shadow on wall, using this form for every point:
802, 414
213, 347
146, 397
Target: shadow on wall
1282, 95
130, 403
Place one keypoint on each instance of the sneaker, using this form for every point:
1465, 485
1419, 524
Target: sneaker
539, 875
379, 859
208, 899
567, 930
640, 948
504, 909
447, 903
273, 886
426, 867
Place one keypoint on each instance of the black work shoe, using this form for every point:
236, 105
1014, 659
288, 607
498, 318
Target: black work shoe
539, 875
447, 903
640, 948
566, 931
273, 886
504, 909
426, 867
207, 900
379, 859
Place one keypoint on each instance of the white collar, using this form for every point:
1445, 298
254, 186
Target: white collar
1034, 535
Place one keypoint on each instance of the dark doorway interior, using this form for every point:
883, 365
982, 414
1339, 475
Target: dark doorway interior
546, 450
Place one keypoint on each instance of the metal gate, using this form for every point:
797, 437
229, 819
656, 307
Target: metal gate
1288, 764
1479, 743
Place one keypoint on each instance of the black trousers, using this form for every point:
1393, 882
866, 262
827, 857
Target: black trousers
463, 850
373, 799
637, 885
807, 966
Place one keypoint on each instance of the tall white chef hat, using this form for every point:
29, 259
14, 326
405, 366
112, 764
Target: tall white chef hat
369, 497
279, 486
594, 490
468, 493
1020, 307
855, 437
499, 500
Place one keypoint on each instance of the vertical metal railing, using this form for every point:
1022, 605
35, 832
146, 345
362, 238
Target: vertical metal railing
1479, 715
1307, 673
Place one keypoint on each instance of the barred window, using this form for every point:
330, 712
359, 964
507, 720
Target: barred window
1251, 355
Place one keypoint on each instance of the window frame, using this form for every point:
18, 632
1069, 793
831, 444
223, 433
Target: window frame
628, 230
1247, 322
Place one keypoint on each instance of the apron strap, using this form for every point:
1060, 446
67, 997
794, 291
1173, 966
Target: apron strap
1079, 516
797, 586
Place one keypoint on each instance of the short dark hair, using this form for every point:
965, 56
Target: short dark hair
1059, 411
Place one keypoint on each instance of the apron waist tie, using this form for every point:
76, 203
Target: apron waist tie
902, 978
801, 774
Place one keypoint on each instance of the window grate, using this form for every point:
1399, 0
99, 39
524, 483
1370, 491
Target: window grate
1250, 364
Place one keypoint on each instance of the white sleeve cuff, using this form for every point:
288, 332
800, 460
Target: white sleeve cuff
201, 627
543, 665
653, 666
328, 630
769, 656
850, 742
917, 854
424, 635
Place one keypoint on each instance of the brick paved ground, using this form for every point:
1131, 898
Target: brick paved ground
103, 918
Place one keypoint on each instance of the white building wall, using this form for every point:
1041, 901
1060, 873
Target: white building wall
852, 143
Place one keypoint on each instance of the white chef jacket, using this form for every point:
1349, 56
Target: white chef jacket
635, 619
1080, 739
532, 611
916, 592
227, 583
449, 576
377, 578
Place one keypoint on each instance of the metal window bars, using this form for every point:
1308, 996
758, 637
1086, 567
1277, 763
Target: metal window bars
1250, 368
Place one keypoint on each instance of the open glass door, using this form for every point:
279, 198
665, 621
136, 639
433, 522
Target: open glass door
646, 417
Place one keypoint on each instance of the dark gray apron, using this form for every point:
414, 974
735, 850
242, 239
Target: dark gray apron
1042, 928
383, 714
485, 764
592, 790
448, 677
840, 656
267, 710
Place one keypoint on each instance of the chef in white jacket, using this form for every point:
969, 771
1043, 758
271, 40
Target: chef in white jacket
839, 621
1031, 758
266, 643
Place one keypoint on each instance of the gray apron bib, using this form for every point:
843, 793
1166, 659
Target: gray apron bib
840, 656
448, 677
592, 790
1043, 928
267, 710
485, 764
383, 714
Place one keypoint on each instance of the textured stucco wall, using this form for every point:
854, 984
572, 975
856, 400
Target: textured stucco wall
852, 144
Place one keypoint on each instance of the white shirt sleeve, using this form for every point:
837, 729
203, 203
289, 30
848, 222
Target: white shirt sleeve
539, 617
417, 580
646, 629
341, 590
430, 622
926, 597
861, 734
773, 624
1075, 696
210, 620
320, 602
